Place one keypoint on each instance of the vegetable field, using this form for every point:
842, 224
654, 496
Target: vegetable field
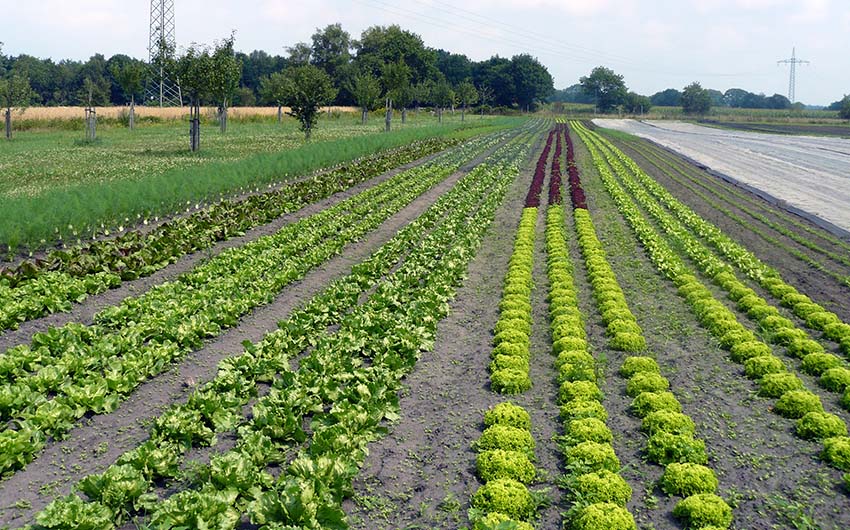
527, 324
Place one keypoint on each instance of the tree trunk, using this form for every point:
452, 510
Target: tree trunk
462, 113
439, 114
364, 115
307, 132
389, 118
132, 112
195, 127
279, 113
404, 115
223, 119
9, 123
91, 124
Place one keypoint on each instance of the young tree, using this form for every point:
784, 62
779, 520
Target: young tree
395, 77
224, 77
307, 89
485, 96
608, 88
421, 93
15, 91
443, 96
637, 104
467, 95
129, 77
366, 91
696, 99
273, 90
195, 71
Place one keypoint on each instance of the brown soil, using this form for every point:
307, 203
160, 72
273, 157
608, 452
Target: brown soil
96, 443
771, 478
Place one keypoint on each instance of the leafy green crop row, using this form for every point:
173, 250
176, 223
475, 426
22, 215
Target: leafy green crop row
815, 316
510, 365
713, 197
505, 464
592, 484
36, 288
346, 385
833, 372
89, 368
745, 348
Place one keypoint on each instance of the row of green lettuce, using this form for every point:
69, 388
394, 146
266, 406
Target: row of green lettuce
744, 346
68, 372
39, 287
298, 451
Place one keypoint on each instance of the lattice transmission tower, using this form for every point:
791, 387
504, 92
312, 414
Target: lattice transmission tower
792, 82
162, 45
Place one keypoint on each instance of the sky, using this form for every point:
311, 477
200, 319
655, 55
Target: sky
654, 44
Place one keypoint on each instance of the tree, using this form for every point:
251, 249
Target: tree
637, 104
224, 77
195, 71
380, 45
456, 67
696, 99
532, 81
496, 72
273, 90
331, 51
129, 77
844, 110
667, 98
443, 96
421, 93
307, 88
467, 95
366, 91
485, 96
15, 91
608, 88
300, 53
572, 94
395, 77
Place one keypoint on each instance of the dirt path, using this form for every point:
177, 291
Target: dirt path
96, 443
810, 175
85, 311
771, 478
422, 475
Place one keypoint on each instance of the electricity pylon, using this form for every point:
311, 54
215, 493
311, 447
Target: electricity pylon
162, 44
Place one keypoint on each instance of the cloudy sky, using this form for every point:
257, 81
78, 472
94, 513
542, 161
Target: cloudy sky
655, 44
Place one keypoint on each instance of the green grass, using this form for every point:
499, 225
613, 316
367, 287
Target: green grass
53, 185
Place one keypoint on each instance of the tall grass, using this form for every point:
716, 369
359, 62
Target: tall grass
87, 209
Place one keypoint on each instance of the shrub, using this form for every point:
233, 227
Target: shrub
507, 438
569, 344
797, 403
628, 342
822, 319
665, 448
575, 357
590, 457
603, 516
747, 350
836, 451
774, 385
494, 520
818, 363
669, 422
758, 367
636, 364
799, 348
646, 382
817, 425
787, 335
498, 463
688, 479
505, 496
835, 379
572, 372
775, 323
514, 362
602, 486
648, 402
704, 509
587, 430
510, 381
737, 335
578, 409
509, 415
583, 390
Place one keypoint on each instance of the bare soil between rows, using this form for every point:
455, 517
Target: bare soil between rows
99, 440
